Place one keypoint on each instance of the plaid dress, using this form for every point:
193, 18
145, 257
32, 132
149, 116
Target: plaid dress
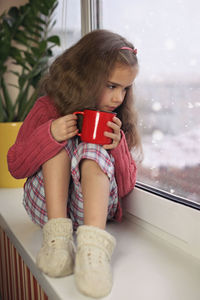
34, 194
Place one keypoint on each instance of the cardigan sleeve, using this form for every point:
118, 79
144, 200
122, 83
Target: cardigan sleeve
125, 167
34, 144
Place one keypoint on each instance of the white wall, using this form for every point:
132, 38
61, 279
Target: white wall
5, 4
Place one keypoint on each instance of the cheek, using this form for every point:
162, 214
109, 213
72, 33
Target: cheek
104, 98
101, 101
124, 93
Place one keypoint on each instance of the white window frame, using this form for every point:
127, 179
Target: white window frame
90, 15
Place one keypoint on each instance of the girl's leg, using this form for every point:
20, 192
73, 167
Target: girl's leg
56, 173
95, 190
94, 245
56, 257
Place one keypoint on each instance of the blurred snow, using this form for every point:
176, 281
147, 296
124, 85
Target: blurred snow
173, 151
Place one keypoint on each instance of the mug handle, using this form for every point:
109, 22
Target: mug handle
79, 113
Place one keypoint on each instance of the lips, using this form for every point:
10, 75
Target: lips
111, 108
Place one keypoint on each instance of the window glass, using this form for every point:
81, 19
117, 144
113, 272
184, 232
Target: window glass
167, 36
68, 23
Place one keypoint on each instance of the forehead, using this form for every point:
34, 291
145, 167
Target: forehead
123, 75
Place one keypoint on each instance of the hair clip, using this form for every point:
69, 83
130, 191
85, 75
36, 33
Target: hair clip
130, 49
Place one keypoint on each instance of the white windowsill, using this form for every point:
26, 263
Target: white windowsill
173, 222
148, 262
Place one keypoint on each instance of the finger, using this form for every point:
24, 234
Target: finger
109, 147
70, 117
71, 134
114, 126
70, 123
70, 129
117, 121
113, 136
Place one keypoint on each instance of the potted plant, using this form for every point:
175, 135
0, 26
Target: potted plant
24, 53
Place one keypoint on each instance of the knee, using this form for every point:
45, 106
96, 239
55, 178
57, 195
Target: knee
64, 155
61, 159
90, 168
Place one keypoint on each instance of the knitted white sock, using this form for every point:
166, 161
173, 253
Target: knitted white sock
92, 264
56, 257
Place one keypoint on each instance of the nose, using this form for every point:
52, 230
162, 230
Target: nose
118, 97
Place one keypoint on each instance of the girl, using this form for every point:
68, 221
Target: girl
72, 184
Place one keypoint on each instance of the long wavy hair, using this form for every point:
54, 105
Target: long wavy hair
77, 78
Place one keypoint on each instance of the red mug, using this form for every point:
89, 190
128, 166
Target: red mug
94, 125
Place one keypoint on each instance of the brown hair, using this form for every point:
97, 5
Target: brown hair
77, 77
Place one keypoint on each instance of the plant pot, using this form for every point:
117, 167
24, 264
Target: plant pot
8, 134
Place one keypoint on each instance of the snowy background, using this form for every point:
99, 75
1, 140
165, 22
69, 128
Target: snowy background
167, 36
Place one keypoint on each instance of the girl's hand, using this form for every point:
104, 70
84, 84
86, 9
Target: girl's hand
115, 135
64, 128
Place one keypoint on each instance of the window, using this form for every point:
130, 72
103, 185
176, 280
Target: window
166, 34
68, 23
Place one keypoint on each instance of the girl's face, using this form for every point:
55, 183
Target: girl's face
120, 80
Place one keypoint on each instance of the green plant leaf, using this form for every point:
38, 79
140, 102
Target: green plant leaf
40, 20
51, 25
15, 73
34, 40
21, 38
22, 64
17, 56
29, 105
28, 26
54, 39
22, 79
29, 58
15, 53
14, 13
21, 99
40, 49
14, 85
33, 31
35, 80
8, 101
42, 46
49, 51
3, 69
4, 51
2, 110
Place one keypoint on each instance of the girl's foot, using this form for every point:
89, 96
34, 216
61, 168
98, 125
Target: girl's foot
92, 264
56, 257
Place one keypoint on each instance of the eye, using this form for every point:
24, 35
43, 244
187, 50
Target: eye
111, 86
126, 89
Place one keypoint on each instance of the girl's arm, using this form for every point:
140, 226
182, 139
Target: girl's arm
34, 144
125, 167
